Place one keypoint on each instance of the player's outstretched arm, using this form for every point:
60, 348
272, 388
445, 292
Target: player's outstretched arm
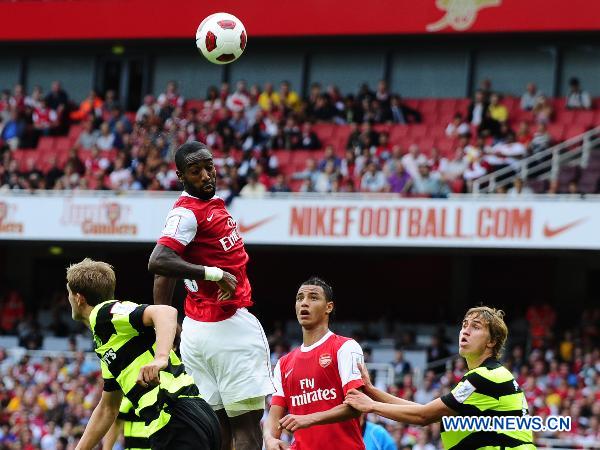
164, 320
377, 394
413, 414
272, 429
102, 418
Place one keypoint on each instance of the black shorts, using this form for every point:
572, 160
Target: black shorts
193, 426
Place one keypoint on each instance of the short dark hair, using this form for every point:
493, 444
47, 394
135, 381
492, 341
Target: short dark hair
186, 149
573, 81
316, 281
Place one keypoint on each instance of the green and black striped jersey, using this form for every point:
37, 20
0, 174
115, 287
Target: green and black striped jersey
134, 428
124, 345
487, 390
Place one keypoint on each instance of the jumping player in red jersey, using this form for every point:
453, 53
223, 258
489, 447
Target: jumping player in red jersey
312, 381
222, 345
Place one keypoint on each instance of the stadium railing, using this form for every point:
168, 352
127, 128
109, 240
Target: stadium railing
544, 165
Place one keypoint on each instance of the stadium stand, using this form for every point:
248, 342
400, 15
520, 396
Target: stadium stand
105, 148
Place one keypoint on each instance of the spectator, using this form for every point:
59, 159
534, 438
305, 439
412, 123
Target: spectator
373, 180
106, 139
148, 109
425, 184
280, 184
437, 163
120, 177
519, 188
329, 156
412, 160
13, 131
34, 100
401, 113
530, 97
90, 107
542, 111
324, 181
475, 169
57, 98
507, 153
289, 98
239, 100
253, 189
382, 94
401, 366
541, 139
477, 109
170, 99
365, 93
308, 175
498, 111
577, 98
309, 139
110, 103
399, 181
45, 119
458, 127
269, 99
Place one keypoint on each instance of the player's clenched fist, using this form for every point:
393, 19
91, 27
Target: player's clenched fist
293, 422
149, 374
276, 444
227, 286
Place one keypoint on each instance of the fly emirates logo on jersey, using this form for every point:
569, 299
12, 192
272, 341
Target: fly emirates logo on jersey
229, 241
310, 394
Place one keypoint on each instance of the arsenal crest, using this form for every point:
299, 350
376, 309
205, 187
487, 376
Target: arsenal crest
324, 360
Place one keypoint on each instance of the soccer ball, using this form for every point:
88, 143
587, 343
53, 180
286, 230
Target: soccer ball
221, 38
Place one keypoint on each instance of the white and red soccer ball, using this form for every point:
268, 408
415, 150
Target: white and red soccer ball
221, 38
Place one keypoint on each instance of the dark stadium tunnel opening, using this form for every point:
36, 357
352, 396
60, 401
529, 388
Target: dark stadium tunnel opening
370, 284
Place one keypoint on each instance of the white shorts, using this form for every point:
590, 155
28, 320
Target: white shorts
229, 360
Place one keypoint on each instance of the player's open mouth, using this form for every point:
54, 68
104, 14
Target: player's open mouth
464, 341
304, 312
208, 187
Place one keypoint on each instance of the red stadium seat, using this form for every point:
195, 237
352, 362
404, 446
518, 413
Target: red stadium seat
585, 118
325, 132
447, 106
194, 104
63, 142
557, 131
417, 131
75, 131
428, 106
45, 143
574, 130
299, 157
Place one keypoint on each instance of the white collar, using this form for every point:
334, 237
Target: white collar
303, 348
185, 194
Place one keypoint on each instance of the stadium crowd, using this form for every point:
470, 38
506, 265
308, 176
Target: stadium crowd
248, 127
46, 402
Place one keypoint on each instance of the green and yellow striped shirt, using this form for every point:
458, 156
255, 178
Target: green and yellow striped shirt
134, 428
124, 345
487, 390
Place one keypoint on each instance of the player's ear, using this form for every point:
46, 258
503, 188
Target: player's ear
330, 306
179, 175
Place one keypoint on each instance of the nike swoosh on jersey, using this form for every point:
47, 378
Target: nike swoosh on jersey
247, 228
287, 374
552, 232
209, 218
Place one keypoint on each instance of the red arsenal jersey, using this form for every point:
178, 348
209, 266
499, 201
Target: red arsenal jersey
317, 378
202, 232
